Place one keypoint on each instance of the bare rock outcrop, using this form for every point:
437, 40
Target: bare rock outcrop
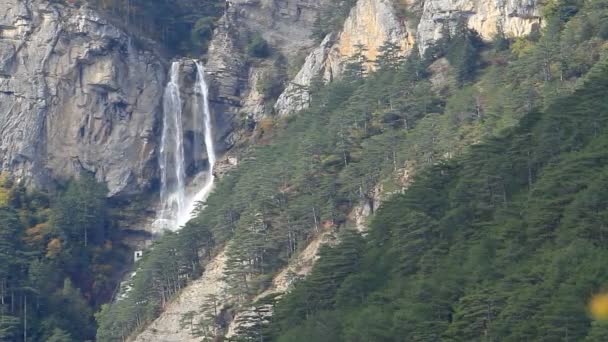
285, 25
75, 95
370, 23
514, 17
374, 22
193, 302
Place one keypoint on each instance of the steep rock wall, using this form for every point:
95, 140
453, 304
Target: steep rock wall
285, 24
370, 23
515, 17
373, 22
75, 95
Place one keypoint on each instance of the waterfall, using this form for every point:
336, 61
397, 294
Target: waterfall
171, 159
203, 105
176, 203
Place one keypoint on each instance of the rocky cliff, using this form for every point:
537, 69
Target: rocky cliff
371, 23
282, 23
285, 24
78, 94
75, 94
513, 17
374, 22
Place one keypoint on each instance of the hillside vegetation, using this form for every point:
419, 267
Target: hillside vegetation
60, 253
505, 243
464, 245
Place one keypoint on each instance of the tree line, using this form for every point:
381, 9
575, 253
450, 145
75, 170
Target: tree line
59, 254
361, 132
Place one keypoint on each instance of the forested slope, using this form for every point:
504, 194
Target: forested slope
364, 131
505, 243
60, 253
499, 237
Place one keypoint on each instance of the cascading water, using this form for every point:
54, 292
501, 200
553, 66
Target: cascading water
203, 106
176, 206
171, 159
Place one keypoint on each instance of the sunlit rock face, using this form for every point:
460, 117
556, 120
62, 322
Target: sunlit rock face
515, 17
76, 95
371, 23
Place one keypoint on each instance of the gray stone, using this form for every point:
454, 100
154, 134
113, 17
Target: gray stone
515, 17
75, 95
285, 25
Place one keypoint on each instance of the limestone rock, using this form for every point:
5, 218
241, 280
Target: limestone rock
285, 25
192, 300
75, 95
516, 17
296, 96
370, 23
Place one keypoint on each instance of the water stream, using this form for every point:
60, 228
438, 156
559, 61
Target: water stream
177, 201
207, 185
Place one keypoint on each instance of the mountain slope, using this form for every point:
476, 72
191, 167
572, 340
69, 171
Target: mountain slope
504, 243
361, 135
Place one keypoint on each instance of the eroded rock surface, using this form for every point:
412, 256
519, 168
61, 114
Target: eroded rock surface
285, 24
515, 17
370, 23
75, 95
193, 301
374, 22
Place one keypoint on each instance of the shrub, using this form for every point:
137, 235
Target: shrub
258, 47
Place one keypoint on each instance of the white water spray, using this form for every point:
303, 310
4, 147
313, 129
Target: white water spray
176, 206
171, 159
205, 190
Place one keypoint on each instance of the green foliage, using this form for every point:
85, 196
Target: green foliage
56, 262
426, 260
462, 50
59, 336
201, 33
271, 83
503, 243
258, 47
184, 27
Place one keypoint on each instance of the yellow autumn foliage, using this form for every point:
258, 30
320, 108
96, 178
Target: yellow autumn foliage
4, 191
53, 248
599, 306
266, 125
36, 234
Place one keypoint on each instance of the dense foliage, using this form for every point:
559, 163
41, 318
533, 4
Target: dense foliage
373, 129
184, 26
506, 243
58, 261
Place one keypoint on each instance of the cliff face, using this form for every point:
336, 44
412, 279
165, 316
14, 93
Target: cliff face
286, 26
75, 95
373, 22
370, 23
515, 17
